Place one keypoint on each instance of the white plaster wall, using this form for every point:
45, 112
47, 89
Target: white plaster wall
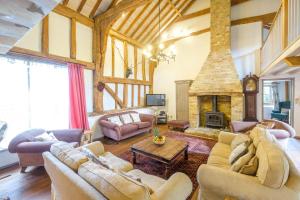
32, 39
59, 35
107, 71
84, 42
108, 101
119, 56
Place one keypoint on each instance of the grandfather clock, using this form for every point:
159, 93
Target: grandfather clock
250, 88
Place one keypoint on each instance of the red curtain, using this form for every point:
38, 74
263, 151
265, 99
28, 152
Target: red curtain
78, 113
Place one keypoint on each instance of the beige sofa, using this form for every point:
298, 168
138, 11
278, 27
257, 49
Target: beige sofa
276, 178
74, 177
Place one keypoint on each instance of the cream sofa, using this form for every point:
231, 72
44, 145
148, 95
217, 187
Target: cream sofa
75, 178
276, 178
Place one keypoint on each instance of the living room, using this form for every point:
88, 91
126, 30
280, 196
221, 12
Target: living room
150, 99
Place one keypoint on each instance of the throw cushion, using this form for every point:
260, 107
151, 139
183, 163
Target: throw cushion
267, 124
273, 169
115, 120
279, 133
243, 160
239, 151
239, 139
93, 157
251, 167
126, 118
112, 185
258, 134
67, 154
135, 117
45, 137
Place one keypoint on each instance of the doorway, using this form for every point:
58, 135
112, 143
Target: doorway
278, 100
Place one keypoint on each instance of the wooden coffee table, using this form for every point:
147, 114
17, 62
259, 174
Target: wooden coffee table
166, 153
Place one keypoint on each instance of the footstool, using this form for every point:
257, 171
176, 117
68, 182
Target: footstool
179, 124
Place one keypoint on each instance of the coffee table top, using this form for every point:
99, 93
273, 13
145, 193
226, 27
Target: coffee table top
167, 151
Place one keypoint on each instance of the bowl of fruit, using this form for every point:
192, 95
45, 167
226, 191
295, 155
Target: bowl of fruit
158, 139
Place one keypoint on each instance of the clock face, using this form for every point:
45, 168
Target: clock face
250, 85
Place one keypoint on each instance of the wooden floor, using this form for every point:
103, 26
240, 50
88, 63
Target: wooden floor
35, 184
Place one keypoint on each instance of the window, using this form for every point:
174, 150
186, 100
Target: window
268, 95
33, 95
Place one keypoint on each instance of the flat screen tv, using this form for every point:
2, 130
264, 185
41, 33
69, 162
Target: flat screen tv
155, 99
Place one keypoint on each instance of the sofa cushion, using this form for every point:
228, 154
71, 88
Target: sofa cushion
115, 120
258, 134
45, 137
239, 151
67, 154
273, 169
128, 128
142, 125
221, 150
279, 133
126, 119
251, 167
112, 185
218, 161
115, 163
239, 139
243, 160
135, 117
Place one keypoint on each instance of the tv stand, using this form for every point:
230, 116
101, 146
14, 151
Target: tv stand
161, 118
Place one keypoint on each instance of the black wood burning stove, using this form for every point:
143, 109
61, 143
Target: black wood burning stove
214, 119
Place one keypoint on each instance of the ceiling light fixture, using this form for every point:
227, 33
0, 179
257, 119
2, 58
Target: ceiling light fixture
157, 54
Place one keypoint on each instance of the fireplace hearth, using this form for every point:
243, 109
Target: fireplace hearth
214, 119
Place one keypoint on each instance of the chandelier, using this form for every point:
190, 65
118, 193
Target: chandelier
157, 54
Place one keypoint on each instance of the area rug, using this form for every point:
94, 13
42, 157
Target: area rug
198, 152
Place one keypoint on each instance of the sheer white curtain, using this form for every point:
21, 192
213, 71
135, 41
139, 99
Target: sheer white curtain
33, 95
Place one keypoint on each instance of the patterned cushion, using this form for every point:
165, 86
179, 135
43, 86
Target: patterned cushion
135, 117
115, 120
126, 118
239, 139
67, 154
239, 151
243, 160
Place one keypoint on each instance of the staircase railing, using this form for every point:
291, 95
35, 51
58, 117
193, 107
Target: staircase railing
285, 30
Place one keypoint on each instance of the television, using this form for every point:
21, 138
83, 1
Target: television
155, 99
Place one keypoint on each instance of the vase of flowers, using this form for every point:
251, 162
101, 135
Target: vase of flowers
157, 138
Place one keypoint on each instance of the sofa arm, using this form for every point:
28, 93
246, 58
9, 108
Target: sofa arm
108, 124
226, 137
147, 118
226, 183
177, 187
96, 147
68, 135
34, 147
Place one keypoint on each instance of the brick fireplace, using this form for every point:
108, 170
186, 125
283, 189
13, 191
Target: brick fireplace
218, 76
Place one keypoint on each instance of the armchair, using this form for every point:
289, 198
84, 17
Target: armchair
30, 151
279, 115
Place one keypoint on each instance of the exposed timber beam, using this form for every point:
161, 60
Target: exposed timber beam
123, 37
45, 35
81, 5
174, 8
68, 12
126, 18
96, 6
114, 95
293, 61
65, 2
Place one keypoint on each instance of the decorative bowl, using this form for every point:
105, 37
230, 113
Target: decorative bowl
159, 140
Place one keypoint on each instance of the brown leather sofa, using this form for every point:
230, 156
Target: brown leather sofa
118, 133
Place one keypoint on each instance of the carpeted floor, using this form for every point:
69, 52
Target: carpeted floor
199, 150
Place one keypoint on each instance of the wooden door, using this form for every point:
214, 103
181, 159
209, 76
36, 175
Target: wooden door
182, 99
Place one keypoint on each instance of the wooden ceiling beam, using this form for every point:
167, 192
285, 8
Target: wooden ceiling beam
112, 4
68, 12
293, 61
154, 31
95, 8
265, 19
126, 18
174, 8
137, 18
149, 25
81, 5
236, 2
142, 22
65, 2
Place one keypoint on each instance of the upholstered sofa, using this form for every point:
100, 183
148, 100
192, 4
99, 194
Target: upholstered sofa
30, 151
75, 177
276, 179
116, 132
281, 130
